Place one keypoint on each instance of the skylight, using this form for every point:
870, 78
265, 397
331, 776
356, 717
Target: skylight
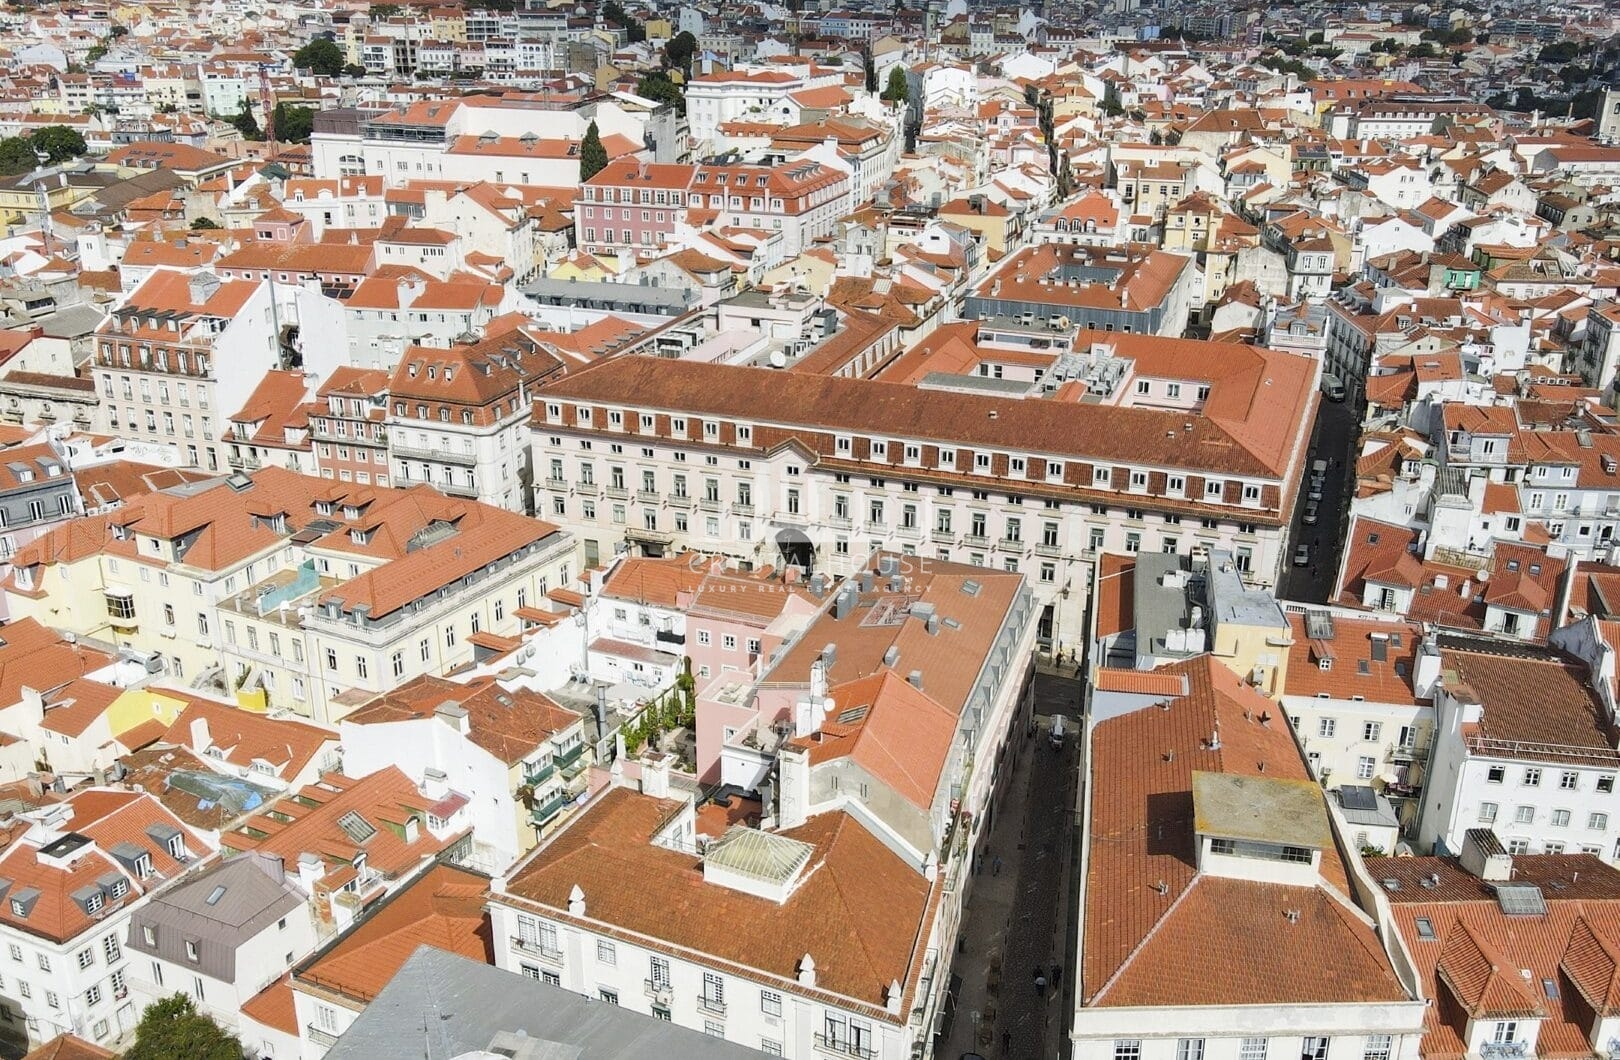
356, 827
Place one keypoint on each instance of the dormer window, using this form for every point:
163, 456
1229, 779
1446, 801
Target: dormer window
193, 950
149, 934
18, 909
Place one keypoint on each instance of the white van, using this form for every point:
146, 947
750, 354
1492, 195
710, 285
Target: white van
1333, 387
1059, 730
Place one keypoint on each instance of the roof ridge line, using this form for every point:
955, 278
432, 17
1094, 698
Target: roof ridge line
1146, 938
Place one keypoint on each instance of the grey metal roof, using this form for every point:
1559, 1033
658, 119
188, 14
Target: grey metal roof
250, 893
469, 1007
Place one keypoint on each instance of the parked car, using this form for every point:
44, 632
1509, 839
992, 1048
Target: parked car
1302, 556
1313, 510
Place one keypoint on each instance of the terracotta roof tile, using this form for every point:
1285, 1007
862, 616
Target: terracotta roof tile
857, 910
509, 724
444, 909
1475, 960
1149, 946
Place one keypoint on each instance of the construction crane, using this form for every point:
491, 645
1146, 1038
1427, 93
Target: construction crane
267, 104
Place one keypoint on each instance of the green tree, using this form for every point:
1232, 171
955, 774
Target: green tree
679, 51
384, 10
898, 90
95, 54
593, 156
1560, 52
16, 156
246, 123
616, 14
203, 223
320, 56
658, 87
59, 142
294, 123
173, 1027
355, 70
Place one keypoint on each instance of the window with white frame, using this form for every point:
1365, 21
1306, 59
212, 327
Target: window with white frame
714, 992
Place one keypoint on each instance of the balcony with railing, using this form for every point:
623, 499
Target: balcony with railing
975, 541
680, 500
587, 489
442, 456
710, 504
1492, 747
572, 760
1052, 551
648, 497
534, 775
1399, 752
536, 948
1011, 544
1502, 1050
545, 811
844, 1047
324, 1039
712, 1005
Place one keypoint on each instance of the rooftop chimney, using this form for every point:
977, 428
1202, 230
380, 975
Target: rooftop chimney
807, 971
201, 287
655, 774
1484, 856
576, 902
201, 739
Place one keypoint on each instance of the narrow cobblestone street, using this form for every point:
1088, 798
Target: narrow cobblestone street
1018, 915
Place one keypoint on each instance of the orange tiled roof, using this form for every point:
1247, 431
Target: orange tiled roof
1151, 945
857, 910
444, 909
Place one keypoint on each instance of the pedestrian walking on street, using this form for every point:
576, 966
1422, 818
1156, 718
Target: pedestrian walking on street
1006, 1043
1040, 985
1057, 975
995, 866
